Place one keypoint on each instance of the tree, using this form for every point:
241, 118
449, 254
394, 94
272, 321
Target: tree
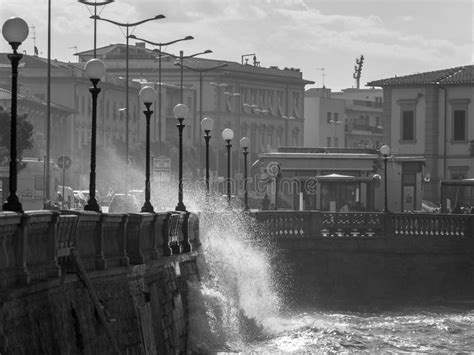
24, 140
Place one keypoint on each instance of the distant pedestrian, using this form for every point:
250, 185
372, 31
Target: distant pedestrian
457, 209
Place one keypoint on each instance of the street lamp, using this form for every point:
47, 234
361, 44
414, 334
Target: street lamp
245, 143
385, 151
227, 135
181, 59
200, 71
15, 30
187, 38
238, 103
95, 69
147, 94
181, 112
127, 26
206, 125
95, 4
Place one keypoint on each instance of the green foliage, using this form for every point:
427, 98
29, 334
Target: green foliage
24, 140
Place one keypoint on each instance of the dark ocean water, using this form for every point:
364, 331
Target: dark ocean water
239, 309
437, 329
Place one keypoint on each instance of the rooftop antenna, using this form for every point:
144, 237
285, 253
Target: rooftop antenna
323, 75
75, 51
33, 37
358, 70
246, 59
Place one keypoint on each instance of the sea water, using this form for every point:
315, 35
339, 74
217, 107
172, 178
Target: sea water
237, 307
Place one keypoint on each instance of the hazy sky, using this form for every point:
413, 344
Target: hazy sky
396, 37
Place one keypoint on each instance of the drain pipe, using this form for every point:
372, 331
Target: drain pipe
445, 131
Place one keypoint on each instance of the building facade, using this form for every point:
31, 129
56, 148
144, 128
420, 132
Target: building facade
351, 118
429, 114
265, 104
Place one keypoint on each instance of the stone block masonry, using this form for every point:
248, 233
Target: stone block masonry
142, 307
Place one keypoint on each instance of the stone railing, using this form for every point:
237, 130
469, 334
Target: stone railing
33, 243
318, 224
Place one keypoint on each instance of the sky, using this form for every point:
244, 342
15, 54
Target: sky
396, 37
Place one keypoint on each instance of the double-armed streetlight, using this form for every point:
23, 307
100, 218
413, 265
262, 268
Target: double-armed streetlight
244, 144
15, 31
227, 135
127, 27
207, 124
147, 95
160, 44
95, 4
385, 151
181, 64
95, 69
181, 112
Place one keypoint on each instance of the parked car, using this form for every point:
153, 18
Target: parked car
428, 206
122, 203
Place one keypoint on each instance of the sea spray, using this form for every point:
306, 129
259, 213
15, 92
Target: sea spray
232, 305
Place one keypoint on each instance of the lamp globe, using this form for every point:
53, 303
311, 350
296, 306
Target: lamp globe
95, 69
227, 134
385, 150
147, 94
245, 142
207, 124
181, 111
15, 30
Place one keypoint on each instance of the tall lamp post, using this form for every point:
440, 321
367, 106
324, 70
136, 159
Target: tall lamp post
181, 64
127, 27
181, 112
15, 31
227, 135
95, 69
238, 104
187, 38
206, 125
95, 4
200, 71
385, 151
148, 95
245, 143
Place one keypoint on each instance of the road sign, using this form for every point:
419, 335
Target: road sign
64, 162
161, 163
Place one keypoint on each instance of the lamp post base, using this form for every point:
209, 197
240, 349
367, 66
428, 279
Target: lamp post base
13, 204
147, 207
180, 207
92, 205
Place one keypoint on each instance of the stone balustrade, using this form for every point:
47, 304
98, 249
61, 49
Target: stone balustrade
318, 224
33, 242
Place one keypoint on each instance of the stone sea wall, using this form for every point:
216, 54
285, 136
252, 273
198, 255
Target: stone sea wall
108, 303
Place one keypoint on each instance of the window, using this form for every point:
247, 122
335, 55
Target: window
459, 125
329, 117
336, 117
407, 119
408, 125
328, 141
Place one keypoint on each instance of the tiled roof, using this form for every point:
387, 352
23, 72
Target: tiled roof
452, 76
29, 61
